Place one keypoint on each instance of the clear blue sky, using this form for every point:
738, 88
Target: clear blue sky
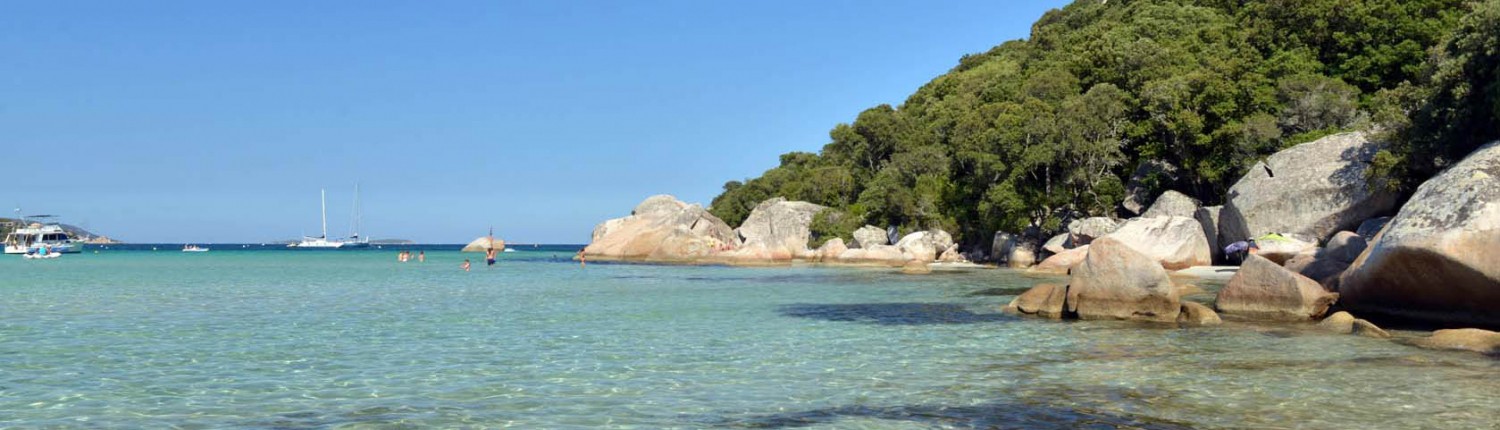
193, 121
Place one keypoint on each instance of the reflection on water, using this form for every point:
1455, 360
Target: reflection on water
272, 339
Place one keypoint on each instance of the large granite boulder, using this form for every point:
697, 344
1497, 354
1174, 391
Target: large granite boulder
1057, 244
1059, 263
1263, 289
1283, 248
1438, 260
1115, 281
1172, 203
887, 255
1045, 300
661, 228
1371, 227
925, 245
1022, 255
1149, 178
868, 236
1083, 231
832, 249
1174, 242
1313, 189
1319, 266
780, 227
1345, 246
1208, 217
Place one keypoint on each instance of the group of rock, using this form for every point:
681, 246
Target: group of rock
1340, 244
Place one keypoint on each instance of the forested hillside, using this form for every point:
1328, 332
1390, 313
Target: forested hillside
1038, 131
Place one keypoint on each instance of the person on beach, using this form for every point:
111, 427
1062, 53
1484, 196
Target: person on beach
421, 256
465, 265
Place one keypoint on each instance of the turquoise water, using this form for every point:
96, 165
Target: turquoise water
286, 339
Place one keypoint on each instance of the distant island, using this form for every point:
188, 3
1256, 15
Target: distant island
10, 224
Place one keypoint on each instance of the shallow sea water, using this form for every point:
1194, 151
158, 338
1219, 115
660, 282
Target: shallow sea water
287, 340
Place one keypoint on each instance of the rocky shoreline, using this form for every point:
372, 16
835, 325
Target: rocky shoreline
1329, 241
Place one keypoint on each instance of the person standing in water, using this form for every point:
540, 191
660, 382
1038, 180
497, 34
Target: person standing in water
489, 256
421, 256
465, 265
583, 260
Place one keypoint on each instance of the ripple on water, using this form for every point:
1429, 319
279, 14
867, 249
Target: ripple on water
354, 340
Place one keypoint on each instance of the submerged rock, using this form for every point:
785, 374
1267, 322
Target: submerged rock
1312, 189
1339, 322
1465, 339
1369, 329
1115, 281
1194, 313
1437, 260
916, 267
1265, 290
1174, 242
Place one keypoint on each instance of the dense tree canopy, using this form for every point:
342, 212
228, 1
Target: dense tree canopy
1038, 131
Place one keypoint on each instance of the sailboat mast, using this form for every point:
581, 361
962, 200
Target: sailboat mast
323, 193
356, 212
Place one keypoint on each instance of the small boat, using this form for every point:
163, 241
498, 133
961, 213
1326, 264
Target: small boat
41, 256
194, 248
510, 250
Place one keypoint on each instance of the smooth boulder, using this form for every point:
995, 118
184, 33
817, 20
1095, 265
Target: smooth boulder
1318, 266
1084, 231
1044, 300
925, 245
1345, 246
1057, 244
1284, 248
780, 227
1172, 203
1313, 189
1174, 242
1263, 289
1371, 227
1115, 281
832, 249
661, 228
1194, 313
1464, 339
1022, 255
1060, 263
1001, 246
1149, 177
1438, 260
868, 236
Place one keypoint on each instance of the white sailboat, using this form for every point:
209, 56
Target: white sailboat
323, 242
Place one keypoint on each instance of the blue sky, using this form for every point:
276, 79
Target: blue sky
191, 121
